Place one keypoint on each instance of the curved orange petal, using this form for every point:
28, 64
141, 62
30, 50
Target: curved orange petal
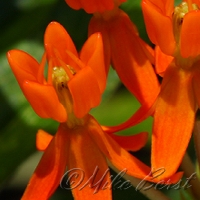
133, 65
92, 55
57, 41
43, 139
87, 160
97, 25
190, 35
121, 159
50, 169
173, 120
85, 91
159, 27
44, 101
162, 61
131, 143
141, 114
93, 6
23, 66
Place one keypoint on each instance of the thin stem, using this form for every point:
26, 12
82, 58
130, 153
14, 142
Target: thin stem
189, 171
150, 193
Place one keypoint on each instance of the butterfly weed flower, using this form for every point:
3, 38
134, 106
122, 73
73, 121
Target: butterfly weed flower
73, 86
175, 31
129, 55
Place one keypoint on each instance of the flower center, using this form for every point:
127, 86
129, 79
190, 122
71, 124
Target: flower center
60, 79
178, 18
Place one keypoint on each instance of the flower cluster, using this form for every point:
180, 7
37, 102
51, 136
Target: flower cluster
75, 82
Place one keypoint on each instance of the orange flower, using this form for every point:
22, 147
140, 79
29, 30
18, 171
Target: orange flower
129, 55
92, 6
176, 32
73, 86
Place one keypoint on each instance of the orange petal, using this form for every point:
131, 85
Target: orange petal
50, 169
159, 27
173, 120
190, 35
132, 66
98, 25
121, 159
44, 101
57, 40
162, 61
166, 7
142, 113
75, 4
92, 55
43, 139
93, 6
85, 91
23, 66
131, 143
89, 163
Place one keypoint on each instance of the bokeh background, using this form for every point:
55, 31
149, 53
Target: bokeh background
22, 25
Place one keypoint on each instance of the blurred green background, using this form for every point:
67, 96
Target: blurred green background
23, 23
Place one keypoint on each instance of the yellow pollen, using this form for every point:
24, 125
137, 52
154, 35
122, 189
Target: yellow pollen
60, 79
178, 17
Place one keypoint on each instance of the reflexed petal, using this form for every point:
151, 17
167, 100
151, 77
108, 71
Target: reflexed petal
142, 113
159, 27
97, 25
23, 66
57, 40
44, 101
42, 140
50, 169
132, 66
162, 61
91, 166
93, 6
92, 55
85, 91
190, 35
173, 120
131, 143
121, 159
136, 64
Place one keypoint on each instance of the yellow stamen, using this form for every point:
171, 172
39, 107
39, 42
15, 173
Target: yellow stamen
60, 79
178, 16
